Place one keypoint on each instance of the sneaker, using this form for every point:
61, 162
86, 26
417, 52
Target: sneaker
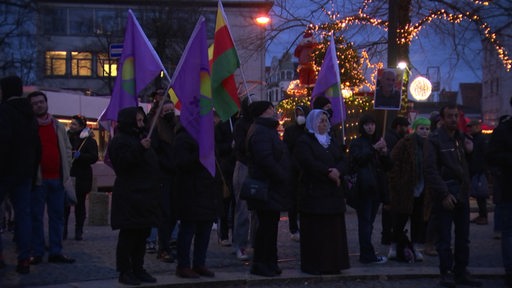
144, 276
418, 256
381, 260
241, 254
295, 237
150, 247
225, 243
128, 278
392, 252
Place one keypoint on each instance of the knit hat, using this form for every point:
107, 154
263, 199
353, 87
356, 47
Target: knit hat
320, 102
258, 107
11, 86
420, 121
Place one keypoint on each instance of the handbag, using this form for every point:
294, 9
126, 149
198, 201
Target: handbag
254, 189
69, 187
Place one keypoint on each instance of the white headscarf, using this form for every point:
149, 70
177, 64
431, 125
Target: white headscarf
312, 122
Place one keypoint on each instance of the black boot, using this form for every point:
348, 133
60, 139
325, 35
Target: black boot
66, 218
79, 231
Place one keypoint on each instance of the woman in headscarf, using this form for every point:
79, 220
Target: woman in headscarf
323, 243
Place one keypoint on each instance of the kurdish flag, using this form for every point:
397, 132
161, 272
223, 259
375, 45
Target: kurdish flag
191, 83
138, 66
328, 84
224, 64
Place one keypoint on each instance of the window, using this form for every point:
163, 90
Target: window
55, 63
80, 21
54, 21
81, 64
107, 22
105, 66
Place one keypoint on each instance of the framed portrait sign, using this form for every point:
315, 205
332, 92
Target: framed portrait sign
388, 92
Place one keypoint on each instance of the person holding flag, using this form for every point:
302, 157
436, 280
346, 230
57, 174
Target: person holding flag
198, 184
327, 94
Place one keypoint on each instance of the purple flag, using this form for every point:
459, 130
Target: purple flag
138, 66
191, 83
328, 84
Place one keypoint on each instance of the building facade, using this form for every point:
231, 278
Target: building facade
279, 76
75, 45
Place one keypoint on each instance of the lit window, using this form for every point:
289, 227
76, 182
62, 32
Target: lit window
81, 64
106, 67
55, 63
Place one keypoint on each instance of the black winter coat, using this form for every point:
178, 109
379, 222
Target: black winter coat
20, 147
319, 194
81, 166
136, 194
269, 160
500, 158
198, 193
371, 169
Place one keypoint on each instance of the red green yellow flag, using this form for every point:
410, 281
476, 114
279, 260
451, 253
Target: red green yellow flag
224, 64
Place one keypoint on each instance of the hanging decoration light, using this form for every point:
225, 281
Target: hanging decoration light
420, 88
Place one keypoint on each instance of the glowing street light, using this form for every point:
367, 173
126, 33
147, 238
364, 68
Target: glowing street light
420, 88
262, 20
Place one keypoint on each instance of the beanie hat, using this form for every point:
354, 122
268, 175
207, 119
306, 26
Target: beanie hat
420, 121
81, 120
258, 107
320, 102
11, 86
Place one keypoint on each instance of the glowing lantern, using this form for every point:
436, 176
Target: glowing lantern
420, 88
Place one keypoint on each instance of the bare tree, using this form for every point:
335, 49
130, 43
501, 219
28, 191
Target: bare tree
460, 26
16, 36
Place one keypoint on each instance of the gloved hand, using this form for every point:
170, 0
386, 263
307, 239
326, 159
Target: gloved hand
76, 154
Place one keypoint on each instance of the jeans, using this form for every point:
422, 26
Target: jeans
168, 219
51, 193
505, 211
20, 191
200, 231
459, 216
242, 221
366, 213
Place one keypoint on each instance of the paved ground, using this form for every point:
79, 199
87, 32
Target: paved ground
95, 266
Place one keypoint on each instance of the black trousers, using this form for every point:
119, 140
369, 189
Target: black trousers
265, 243
131, 248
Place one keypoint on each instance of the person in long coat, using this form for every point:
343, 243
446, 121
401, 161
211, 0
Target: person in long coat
269, 161
85, 153
135, 195
323, 243
407, 188
198, 204
370, 160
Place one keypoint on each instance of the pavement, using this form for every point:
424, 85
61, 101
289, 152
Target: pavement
95, 263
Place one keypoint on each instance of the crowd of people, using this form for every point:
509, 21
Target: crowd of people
421, 172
